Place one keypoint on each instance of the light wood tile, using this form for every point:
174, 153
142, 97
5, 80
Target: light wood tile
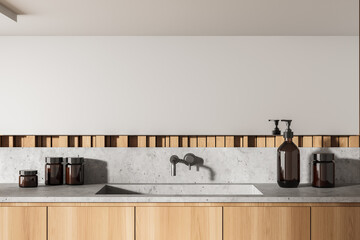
210, 141
229, 141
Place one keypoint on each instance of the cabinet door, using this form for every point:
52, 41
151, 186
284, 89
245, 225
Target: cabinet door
335, 223
23, 223
91, 223
270, 223
178, 223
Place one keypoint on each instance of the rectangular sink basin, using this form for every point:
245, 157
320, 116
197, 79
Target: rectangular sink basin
180, 189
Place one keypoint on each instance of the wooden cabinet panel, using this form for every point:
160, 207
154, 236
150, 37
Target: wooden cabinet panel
91, 223
178, 223
270, 223
335, 223
23, 223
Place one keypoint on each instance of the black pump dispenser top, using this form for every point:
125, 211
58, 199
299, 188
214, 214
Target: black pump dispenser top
276, 130
288, 134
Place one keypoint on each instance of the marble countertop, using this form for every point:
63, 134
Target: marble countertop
87, 193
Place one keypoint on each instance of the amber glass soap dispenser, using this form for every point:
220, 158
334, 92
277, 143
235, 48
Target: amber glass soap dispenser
288, 161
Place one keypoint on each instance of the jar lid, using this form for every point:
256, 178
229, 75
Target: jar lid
74, 160
323, 157
53, 160
28, 172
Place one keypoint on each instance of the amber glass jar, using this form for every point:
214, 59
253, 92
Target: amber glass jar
323, 170
74, 171
54, 171
28, 178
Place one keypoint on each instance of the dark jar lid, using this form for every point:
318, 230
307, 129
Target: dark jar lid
28, 172
323, 157
74, 160
53, 160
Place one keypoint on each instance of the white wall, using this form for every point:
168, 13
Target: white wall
178, 85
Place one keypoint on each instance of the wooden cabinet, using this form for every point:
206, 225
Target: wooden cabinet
166, 221
335, 223
91, 223
178, 223
23, 223
270, 223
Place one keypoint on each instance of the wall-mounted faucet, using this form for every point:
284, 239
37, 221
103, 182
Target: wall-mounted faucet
189, 160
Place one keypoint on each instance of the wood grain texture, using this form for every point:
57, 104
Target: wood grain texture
178, 223
270, 223
245, 143
307, 141
317, 141
86, 141
297, 140
167, 141
179, 204
74, 141
201, 142
63, 141
354, 141
238, 141
18, 141
122, 141
252, 141
46, 141
174, 141
7, 141
270, 141
55, 141
193, 141
29, 141
151, 141
184, 141
23, 223
210, 141
229, 141
278, 141
326, 141
160, 141
334, 141
91, 223
99, 141
335, 223
132, 141
260, 141
220, 141
141, 141
344, 141
10, 141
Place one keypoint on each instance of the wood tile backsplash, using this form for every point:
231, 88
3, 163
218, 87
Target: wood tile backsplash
175, 141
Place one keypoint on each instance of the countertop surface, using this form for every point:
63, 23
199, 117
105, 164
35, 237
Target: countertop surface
87, 193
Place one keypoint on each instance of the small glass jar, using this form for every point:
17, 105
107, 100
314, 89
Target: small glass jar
54, 171
74, 170
28, 178
323, 170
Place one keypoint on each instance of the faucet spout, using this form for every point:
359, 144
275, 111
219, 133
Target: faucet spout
173, 169
174, 160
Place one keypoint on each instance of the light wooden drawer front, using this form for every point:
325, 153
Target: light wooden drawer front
91, 223
267, 223
335, 223
22, 223
178, 223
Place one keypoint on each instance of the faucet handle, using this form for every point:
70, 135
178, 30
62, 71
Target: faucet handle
174, 159
189, 158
